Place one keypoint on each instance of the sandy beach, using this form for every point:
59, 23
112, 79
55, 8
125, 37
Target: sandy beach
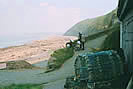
36, 51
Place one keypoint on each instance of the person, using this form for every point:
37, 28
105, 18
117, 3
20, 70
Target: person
80, 36
83, 47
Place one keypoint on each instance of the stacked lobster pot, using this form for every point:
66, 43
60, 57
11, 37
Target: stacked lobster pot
98, 70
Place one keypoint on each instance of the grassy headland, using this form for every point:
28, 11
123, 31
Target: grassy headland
97, 27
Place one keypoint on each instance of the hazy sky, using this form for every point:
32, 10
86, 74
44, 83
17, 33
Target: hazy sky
27, 16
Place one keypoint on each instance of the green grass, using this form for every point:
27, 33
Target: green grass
23, 86
113, 39
21, 64
61, 55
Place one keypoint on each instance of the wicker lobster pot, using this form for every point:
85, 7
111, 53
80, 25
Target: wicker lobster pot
98, 68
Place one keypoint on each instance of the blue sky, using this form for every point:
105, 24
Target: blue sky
34, 16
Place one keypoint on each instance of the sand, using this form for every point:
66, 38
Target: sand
36, 51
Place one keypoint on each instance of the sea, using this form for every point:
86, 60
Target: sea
21, 39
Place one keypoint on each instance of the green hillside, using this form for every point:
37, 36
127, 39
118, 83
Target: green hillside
93, 26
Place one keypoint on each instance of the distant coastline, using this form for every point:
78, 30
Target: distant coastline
21, 39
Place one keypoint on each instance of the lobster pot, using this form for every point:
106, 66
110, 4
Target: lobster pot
104, 66
100, 66
81, 70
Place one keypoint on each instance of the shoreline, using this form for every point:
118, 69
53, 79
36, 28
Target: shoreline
35, 51
21, 39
